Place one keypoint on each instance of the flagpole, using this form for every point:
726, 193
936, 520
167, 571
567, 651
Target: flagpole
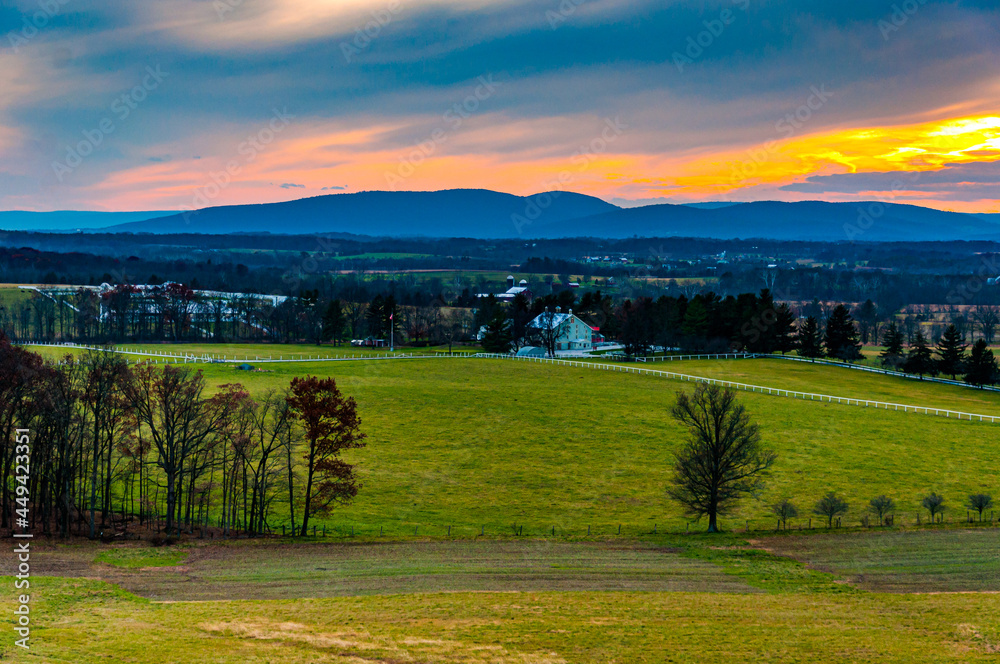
392, 333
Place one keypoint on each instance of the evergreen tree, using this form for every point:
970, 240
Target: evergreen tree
809, 341
951, 350
784, 329
695, 319
920, 360
981, 368
893, 355
842, 336
376, 317
334, 322
497, 338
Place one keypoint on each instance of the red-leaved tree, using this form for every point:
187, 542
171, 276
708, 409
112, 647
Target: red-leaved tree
330, 424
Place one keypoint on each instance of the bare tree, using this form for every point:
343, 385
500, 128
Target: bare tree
980, 502
179, 420
830, 506
723, 458
987, 319
784, 510
544, 331
881, 506
934, 504
106, 373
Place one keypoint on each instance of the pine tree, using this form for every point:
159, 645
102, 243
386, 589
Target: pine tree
809, 341
334, 322
920, 360
497, 337
695, 319
951, 350
981, 368
784, 329
893, 355
842, 336
375, 316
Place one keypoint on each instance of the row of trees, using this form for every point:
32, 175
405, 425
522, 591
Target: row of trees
723, 460
175, 313
979, 367
882, 507
113, 443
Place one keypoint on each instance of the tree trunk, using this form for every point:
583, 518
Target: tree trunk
712, 526
95, 462
291, 489
309, 481
171, 501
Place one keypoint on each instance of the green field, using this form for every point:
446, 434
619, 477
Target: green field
680, 598
426, 566
479, 443
486, 445
841, 381
807, 619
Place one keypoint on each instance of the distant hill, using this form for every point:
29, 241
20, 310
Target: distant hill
70, 220
711, 205
810, 220
480, 213
477, 213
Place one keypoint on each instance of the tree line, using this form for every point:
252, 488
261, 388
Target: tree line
114, 444
882, 508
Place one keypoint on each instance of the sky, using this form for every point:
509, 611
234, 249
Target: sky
177, 104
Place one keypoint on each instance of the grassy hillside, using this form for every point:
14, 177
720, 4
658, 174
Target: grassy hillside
473, 443
483, 445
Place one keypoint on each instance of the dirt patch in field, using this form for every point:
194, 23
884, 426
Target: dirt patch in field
364, 647
291, 571
901, 561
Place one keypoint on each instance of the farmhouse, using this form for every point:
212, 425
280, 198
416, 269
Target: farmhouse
571, 332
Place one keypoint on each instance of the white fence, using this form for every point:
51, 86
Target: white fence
217, 358
712, 356
587, 364
878, 370
810, 396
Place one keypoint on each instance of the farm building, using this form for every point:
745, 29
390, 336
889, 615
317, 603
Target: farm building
572, 333
512, 291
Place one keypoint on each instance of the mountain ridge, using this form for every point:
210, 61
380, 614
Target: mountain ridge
486, 214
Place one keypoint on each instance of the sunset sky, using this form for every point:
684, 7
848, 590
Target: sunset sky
168, 104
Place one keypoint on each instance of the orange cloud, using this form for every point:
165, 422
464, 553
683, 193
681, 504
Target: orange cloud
495, 152
914, 147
